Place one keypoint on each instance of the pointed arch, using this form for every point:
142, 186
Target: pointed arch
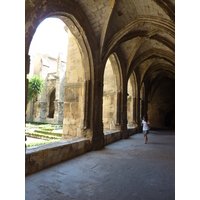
131, 99
79, 26
112, 93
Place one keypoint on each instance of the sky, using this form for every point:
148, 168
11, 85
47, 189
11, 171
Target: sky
50, 38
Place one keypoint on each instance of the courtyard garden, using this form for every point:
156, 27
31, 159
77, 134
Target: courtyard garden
39, 133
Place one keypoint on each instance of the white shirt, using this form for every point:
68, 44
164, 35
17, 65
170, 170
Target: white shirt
145, 125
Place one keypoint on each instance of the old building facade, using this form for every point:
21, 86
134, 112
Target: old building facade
48, 106
120, 63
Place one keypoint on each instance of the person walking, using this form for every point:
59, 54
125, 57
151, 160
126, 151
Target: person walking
145, 128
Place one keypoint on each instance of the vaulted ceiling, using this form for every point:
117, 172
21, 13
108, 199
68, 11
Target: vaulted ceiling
143, 31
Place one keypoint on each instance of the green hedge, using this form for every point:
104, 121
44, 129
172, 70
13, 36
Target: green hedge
48, 128
40, 143
37, 123
41, 135
48, 133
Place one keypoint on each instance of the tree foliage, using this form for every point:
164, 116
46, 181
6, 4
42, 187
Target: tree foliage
35, 86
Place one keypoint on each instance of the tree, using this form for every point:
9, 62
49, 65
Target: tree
35, 86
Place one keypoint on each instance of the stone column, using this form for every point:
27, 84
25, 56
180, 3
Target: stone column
138, 121
146, 102
97, 123
57, 95
123, 105
60, 113
134, 110
141, 108
86, 103
58, 78
72, 117
124, 125
27, 67
117, 124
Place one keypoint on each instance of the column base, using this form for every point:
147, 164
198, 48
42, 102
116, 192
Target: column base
97, 143
124, 134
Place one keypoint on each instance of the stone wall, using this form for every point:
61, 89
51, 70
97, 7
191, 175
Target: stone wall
41, 157
109, 111
72, 122
130, 110
74, 92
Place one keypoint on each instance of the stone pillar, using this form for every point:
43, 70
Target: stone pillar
73, 117
60, 112
98, 136
124, 113
86, 103
138, 120
57, 95
97, 125
134, 110
124, 125
43, 111
27, 67
146, 102
141, 108
117, 124
118, 116
55, 116
58, 78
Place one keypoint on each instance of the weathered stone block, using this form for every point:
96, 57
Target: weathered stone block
74, 146
81, 151
47, 162
70, 155
57, 159
33, 157
46, 154
81, 144
71, 95
66, 148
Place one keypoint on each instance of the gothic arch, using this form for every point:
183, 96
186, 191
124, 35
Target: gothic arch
81, 30
114, 95
131, 99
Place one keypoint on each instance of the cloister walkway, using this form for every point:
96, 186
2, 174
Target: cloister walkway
125, 170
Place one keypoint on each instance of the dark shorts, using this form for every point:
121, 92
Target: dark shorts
146, 131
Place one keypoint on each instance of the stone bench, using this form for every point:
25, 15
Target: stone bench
47, 155
41, 157
115, 135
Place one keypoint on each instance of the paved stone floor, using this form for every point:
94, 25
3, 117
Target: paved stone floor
124, 170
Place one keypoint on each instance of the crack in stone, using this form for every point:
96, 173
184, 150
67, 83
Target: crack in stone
94, 167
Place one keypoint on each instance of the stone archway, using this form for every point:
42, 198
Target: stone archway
109, 97
111, 94
131, 100
84, 40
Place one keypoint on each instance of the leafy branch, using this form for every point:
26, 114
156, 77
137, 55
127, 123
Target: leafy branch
35, 86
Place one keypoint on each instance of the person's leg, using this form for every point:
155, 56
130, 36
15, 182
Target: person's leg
145, 135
